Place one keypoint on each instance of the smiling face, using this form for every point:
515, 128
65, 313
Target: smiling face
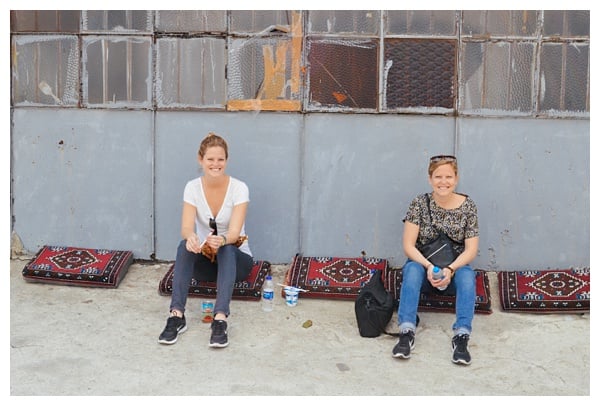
214, 161
443, 179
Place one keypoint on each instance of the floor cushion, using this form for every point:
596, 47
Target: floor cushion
249, 289
78, 266
545, 291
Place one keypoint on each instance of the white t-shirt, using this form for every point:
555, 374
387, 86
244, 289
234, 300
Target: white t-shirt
237, 193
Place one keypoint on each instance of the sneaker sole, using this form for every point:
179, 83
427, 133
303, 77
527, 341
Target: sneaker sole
173, 341
461, 361
217, 345
404, 356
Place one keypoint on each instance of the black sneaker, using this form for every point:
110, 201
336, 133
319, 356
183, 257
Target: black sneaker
406, 342
175, 326
460, 353
218, 337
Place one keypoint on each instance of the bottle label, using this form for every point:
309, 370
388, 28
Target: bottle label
268, 295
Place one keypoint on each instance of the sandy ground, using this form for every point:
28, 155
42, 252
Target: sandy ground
94, 341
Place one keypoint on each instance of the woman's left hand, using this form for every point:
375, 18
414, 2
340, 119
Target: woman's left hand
214, 241
440, 283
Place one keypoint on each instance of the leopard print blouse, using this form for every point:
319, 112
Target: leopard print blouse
458, 224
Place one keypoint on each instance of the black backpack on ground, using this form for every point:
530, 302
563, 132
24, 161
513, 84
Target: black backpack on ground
374, 307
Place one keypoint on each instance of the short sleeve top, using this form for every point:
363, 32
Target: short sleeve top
459, 223
237, 193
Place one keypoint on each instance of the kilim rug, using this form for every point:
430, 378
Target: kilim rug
332, 277
548, 291
78, 266
444, 303
249, 289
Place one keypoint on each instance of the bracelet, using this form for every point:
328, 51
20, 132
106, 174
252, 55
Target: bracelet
451, 270
224, 240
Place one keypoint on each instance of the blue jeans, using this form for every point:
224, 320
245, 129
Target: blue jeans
414, 281
232, 265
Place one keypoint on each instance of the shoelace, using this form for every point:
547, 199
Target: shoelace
461, 342
219, 327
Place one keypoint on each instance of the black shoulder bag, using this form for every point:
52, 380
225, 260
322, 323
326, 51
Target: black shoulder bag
374, 307
442, 250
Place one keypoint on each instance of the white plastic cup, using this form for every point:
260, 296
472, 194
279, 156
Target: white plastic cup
291, 296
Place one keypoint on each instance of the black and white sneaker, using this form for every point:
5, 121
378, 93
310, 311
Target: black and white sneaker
218, 337
175, 326
406, 342
460, 354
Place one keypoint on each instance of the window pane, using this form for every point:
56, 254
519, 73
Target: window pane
499, 23
117, 71
567, 23
120, 20
497, 77
421, 22
350, 22
256, 21
420, 73
564, 77
334, 82
249, 77
191, 72
45, 21
45, 70
191, 21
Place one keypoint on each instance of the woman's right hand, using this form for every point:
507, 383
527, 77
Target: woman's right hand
192, 244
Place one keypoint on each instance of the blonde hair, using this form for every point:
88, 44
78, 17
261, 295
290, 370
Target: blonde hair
212, 140
436, 164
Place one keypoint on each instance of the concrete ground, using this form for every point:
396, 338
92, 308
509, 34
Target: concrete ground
67, 340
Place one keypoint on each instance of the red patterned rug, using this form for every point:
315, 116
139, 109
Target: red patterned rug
444, 303
78, 266
332, 277
249, 289
551, 291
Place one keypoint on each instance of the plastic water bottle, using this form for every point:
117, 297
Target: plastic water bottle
268, 294
438, 274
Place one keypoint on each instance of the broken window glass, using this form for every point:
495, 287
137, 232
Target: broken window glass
116, 71
45, 70
264, 70
190, 72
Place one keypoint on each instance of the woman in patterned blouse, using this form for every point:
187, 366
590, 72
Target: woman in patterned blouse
456, 215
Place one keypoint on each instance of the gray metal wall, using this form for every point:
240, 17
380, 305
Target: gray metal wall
320, 184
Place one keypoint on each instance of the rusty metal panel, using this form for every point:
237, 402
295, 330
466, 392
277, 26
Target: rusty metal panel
343, 73
420, 73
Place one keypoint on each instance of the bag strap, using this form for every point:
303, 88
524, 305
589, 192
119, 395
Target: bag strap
430, 216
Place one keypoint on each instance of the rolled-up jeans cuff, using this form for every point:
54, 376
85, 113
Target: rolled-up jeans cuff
407, 326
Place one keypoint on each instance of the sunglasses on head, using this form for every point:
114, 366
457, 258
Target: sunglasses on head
212, 223
438, 158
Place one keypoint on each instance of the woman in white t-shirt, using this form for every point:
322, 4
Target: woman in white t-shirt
214, 214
